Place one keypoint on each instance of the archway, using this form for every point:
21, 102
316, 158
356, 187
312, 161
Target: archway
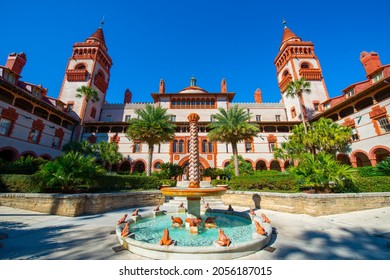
261, 165
344, 159
287, 164
125, 166
380, 153
28, 153
46, 157
139, 167
275, 165
362, 159
8, 154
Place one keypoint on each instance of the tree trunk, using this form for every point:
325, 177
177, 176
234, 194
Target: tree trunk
82, 120
301, 111
235, 155
150, 159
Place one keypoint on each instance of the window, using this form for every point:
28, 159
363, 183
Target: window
293, 112
305, 65
248, 147
316, 106
137, 148
272, 147
93, 112
258, 118
227, 148
211, 147
70, 107
173, 118
175, 146
5, 126
327, 105
204, 146
377, 77
350, 92
9, 77
181, 146
37, 93
354, 135
277, 118
56, 142
384, 124
212, 119
34, 135
127, 118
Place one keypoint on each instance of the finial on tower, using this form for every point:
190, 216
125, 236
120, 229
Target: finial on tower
102, 22
193, 81
284, 23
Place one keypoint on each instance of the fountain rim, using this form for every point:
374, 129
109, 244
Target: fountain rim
193, 192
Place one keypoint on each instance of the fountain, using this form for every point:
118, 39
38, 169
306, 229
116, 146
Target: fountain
218, 234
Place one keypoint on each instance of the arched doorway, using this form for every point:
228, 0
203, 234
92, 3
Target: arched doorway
362, 159
139, 167
380, 154
125, 166
287, 164
8, 154
275, 165
261, 165
186, 172
344, 159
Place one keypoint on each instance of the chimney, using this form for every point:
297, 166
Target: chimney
16, 62
223, 86
161, 87
258, 96
370, 61
128, 96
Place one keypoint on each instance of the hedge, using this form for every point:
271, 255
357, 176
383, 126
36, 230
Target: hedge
20, 183
368, 171
271, 182
125, 182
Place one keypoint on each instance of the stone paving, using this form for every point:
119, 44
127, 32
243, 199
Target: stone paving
351, 236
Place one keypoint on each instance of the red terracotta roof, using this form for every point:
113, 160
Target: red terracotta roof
288, 34
98, 36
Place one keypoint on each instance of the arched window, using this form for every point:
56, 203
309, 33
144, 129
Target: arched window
204, 146
181, 146
80, 66
305, 65
285, 73
175, 146
211, 147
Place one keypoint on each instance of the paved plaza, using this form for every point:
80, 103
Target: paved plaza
351, 236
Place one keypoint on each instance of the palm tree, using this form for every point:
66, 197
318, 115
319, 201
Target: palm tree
89, 94
108, 153
152, 127
296, 89
232, 126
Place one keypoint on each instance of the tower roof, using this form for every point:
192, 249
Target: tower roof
98, 35
288, 35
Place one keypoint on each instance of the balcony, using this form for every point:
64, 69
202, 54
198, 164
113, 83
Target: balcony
285, 82
310, 74
100, 83
76, 75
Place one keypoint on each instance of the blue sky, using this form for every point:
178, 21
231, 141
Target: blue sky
175, 39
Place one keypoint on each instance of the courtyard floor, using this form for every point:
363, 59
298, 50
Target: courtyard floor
350, 236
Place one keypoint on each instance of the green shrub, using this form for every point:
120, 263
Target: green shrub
23, 165
368, 171
384, 166
21, 183
373, 184
126, 182
282, 182
69, 170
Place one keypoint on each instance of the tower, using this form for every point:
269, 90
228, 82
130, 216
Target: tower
296, 59
89, 65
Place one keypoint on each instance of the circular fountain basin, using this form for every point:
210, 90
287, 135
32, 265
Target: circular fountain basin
147, 232
193, 192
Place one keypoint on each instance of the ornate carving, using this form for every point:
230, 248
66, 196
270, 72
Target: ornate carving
223, 240
176, 221
123, 219
260, 229
9, 113
377, 112
166, 240
349, 122
272, 138
38, 125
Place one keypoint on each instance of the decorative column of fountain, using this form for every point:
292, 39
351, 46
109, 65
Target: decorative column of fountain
194, 202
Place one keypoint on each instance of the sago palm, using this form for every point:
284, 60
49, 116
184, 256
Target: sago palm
152, 127
232, 126
296, 89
